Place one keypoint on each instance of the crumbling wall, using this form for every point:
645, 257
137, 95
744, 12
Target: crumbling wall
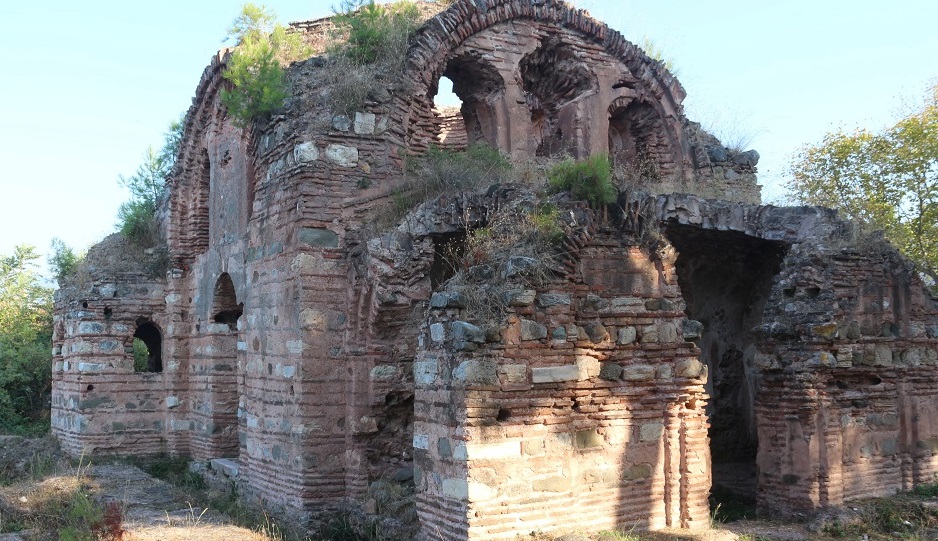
849, 361
99, 402
584, 406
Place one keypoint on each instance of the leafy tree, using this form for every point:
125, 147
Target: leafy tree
25, 342
137, 217
887, 180
64, 260
255, 68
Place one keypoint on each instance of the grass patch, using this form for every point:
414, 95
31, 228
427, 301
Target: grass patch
589, 180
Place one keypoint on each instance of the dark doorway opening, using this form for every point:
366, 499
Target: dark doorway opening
225, 306
726, 278
148, 347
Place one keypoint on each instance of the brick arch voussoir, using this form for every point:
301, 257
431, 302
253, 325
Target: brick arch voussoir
435, 42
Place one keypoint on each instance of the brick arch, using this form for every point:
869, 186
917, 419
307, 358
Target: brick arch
435, 42
187, 230
642, 140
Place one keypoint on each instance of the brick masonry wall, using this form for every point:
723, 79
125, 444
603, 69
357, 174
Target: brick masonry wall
587, 410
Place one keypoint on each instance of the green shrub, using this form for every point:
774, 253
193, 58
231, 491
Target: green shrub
64, 260
440, 171
255, 68
590, 179
378, 32
369, 48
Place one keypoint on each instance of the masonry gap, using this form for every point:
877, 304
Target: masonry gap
726, 277
148, 347
638, 145
476, 86
225, 306
553, 77
447, 252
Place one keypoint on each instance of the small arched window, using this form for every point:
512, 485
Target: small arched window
148, 347
225, 306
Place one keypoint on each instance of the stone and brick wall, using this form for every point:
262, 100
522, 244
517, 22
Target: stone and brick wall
297, 338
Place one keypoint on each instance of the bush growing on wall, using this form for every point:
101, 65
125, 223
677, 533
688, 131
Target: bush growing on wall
255, 68
590, 179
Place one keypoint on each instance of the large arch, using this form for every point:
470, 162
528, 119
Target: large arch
437, 43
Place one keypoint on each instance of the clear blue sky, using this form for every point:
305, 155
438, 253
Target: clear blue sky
87, 86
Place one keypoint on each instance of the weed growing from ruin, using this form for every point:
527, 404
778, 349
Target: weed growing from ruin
368, 50
589, 179
255, 67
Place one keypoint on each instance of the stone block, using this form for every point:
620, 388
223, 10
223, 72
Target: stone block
476, 372
425, 372
649, 334
421, 441
318, 237
638, 372
596, 332
494, 451
519, 297
443, 448
555, 374
531, 330
172, 402
610, 371
364, 123
519, 265
626, 336
384, 372
688, 368
466, 336
667, 333
692, 329
636, 472
437, 333
557, 483
90, 327
92, 367
342, 123
585, 439
448, 299
305, 152
827, 331
342, 155
553, 299
651, 431
589, 367
514, 373
558, 333
225, 466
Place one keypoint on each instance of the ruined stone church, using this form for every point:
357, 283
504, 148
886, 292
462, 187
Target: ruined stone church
758, 348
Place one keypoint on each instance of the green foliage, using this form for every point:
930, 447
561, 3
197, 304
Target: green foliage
370, 47
885, 180
255, 68
590, 179
137, 216
377, 32
440, 171
25, 344
141, 356
64, 260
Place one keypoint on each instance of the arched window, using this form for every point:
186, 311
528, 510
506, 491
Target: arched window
472, 84
148, 347
225, 306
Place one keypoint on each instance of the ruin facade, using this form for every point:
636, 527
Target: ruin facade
755, 347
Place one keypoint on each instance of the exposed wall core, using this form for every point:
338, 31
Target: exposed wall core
638, 141
552, 77
726, 278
